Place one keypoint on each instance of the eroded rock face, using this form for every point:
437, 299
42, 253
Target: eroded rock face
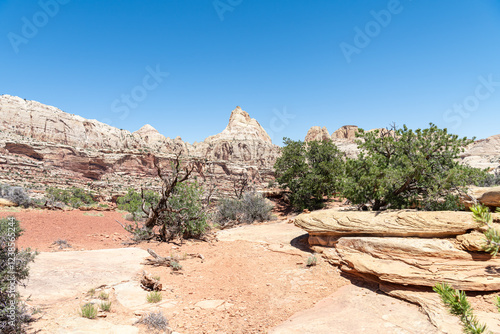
59, 149
346, 132
404, 223
484, 153
317, 133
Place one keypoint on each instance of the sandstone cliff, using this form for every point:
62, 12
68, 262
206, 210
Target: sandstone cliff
41, 145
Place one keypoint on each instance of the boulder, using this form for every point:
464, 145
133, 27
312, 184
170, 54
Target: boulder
6, 202
324, 226
489, 196
418, 262
473, 242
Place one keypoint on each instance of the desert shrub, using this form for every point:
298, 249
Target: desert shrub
311, 261
491, 180
73, 196
132, 201
140, 232
105, 306
176, 266
310, 171
88, 311
403, 168
187, 217
154, 297
103, 296
13, 271
155, 320
15, 194
251, 207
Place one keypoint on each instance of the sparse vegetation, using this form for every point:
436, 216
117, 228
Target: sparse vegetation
154, 297
105, 306
180, 212
15, 194
61, 243
311, 261
132, 202
91, 292
103, 296
14, 271
482, 215
176, 266
251, 207
88, 311
458, 304
155, 321
74, 197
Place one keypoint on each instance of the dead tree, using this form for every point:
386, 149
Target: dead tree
240, 185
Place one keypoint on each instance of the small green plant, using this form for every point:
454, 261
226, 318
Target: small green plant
103, 296
91, 292
106, 306
457, 301
157, 277
88, 311
311, 261
251, 207
154, 297
175, 265
61, 243
482, 214
497, 303
73, 196
155, 320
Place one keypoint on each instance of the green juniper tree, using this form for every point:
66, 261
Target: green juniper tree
310, 171
403, 168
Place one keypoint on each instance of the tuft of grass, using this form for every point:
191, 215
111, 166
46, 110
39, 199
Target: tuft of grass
175, 265
61, 243
311, 261
155, 320
93, 214
88, 311
91, 292
103, 296
106, 306
157, 277
154, 297
498, 303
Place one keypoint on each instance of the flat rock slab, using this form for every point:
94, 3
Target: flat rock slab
64, 274
352, 309
274, 233
86, 326
420, 262
322, 224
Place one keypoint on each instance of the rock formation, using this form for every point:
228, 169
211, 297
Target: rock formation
317, 133
43, 146
406, 252
483, 153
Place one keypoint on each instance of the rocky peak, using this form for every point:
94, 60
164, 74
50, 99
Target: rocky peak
345, 132
317, 133
149, 134
241, 127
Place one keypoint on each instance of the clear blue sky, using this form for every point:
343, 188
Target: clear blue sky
321, 62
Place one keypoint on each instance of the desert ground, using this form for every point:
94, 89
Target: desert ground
248, 279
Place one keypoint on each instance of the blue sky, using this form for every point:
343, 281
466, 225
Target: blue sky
291, 64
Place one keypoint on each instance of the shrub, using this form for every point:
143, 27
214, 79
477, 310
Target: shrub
88, 311
140, 232
15, 194
187, 218
106, 306
13, 313
155, 320
73, 196
311, 261
175, 265
103, 296
251, 207
405, 168
459, 305
310, 171
154, 297
132, 201
491, 180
